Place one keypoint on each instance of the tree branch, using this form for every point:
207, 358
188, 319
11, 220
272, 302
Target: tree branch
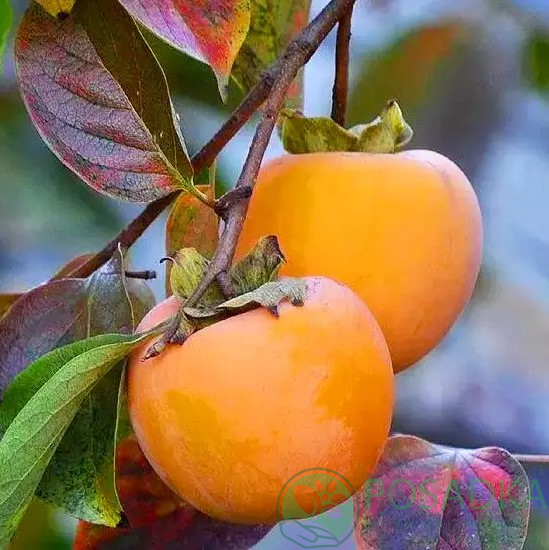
296, 56
532, 459
341, 81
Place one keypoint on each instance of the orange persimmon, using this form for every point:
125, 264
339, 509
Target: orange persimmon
227, 418
403, 230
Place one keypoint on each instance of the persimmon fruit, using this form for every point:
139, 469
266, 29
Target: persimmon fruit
403, 230
230, 416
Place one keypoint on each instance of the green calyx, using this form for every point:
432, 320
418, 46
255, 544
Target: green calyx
254, 280
387, 133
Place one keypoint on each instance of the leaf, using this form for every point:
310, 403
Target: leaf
158, 518
99, 99
536, 61
408, 69
144, 496
429, 496
387, 133
80, 477
6, 17
56, 7
191, 224
269, 295
7, 300
30, 380
63, 311
210, 30
187, 272
261, 265
32, 438
273, 24
175, 530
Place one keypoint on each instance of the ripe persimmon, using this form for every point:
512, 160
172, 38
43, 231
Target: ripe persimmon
403, 230
245, 404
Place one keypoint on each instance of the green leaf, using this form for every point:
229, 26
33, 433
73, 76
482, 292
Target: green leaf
269, 296
29, 381
387, 133
261, 265
274, 23
35, 433
6, 17
105, 303
536, 61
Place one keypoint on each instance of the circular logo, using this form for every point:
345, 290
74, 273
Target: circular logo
317, 508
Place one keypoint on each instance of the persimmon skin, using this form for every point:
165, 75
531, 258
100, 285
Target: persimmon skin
243, 405
404, 231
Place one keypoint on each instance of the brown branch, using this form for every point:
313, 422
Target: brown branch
296, 55
532, 459
341, 81
145, 275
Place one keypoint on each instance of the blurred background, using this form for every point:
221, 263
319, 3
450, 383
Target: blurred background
472, 77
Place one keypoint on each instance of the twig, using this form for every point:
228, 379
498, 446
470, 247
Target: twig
146, 275
532, 459
341, 81
296, 55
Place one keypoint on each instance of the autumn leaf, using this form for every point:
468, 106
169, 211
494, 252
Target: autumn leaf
209, 30
100, 101
191, 224
429, 496
273, 24
158, 519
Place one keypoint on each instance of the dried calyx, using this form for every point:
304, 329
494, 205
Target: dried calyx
254, 280
387, 133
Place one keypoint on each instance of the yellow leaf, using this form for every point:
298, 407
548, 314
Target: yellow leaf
55, 7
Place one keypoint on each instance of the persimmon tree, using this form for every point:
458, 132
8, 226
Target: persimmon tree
99, 99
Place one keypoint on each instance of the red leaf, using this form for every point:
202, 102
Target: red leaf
173, 532
159, 520
100, 100
210, 30
425, 495
143, 495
